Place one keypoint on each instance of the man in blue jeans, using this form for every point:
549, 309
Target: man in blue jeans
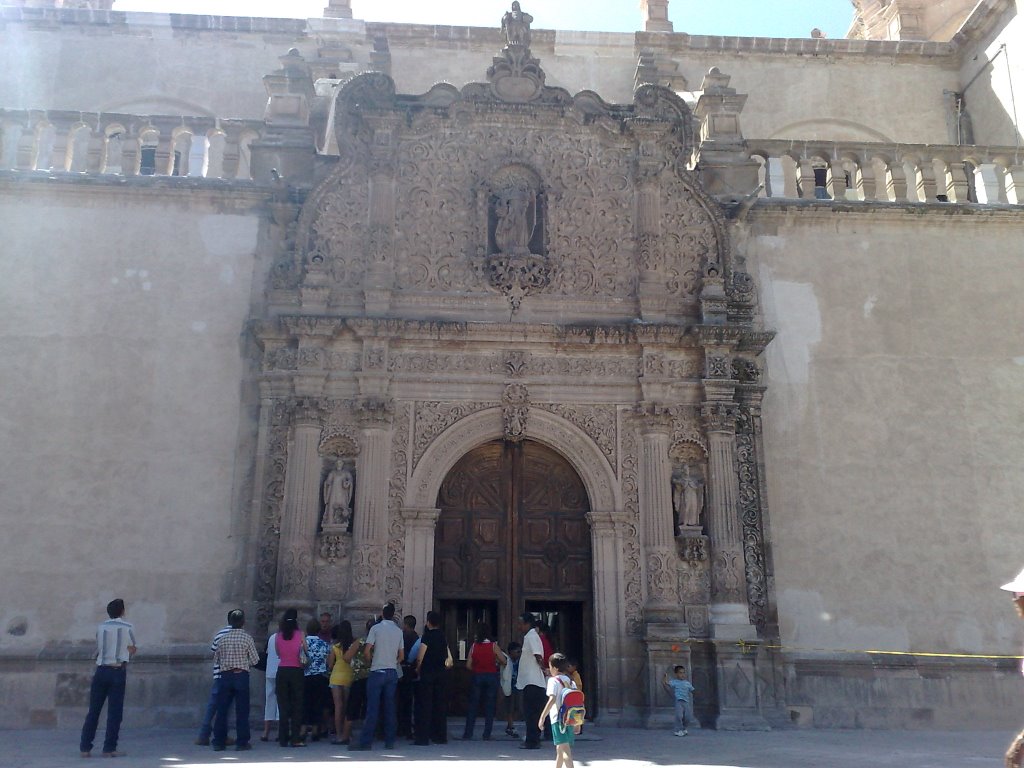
206, 729
115, 646
384, 652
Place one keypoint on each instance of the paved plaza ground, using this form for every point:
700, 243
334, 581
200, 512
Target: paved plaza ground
600, 748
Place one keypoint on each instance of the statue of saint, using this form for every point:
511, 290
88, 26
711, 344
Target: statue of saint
515, 219
688, 496
338, 495
515, 24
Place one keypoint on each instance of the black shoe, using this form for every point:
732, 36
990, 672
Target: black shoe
421, 743
525, 745
358, 748
218, 748
243, 747
201, 742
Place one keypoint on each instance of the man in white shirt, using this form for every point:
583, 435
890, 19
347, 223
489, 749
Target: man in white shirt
115, 646
531, 680
385, 646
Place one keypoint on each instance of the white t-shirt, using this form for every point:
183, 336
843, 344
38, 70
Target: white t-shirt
530, 672
555, 686
386, 639
273, 660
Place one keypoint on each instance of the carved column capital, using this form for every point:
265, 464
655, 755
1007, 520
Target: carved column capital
719, 417
605, 522
308, 411
374, 412
653, 417
420, 517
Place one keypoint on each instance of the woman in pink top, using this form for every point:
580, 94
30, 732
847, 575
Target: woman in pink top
290, 680
483, 661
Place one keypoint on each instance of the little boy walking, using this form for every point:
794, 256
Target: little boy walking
562, 736
682, 692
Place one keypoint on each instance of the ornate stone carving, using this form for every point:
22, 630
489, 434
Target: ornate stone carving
433, 418
746, 371
719, 417
517, 275
598, 421
697, 620
367, 562
515, 409
516, 363
338, 439
272, 499
335, 546
516, 75
729, 582
428, 362
600, 367
693, 549
374, 411
395, 565
662, 581
632, 586
718, 367
694, 573
756, 570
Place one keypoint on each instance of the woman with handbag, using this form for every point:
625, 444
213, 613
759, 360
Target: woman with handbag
316, 688
355, 708
289, 645
484, 660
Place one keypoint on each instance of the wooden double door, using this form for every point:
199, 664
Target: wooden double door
513, 536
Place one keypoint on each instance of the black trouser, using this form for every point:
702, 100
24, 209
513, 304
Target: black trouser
534, 699
406, 689
290, 689
432, 709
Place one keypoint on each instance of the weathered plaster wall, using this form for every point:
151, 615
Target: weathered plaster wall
892, 426
992, 81
120, 323
193, 65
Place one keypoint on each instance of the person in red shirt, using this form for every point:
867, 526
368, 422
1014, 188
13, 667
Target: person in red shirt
545, 639
484, 660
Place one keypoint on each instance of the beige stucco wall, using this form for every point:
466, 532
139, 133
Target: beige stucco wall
120, 322
149, 64
892, 426
998, 81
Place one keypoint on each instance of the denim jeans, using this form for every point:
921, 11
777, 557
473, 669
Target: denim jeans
108, 684
485, 687
234, 686
381, 684
206, 729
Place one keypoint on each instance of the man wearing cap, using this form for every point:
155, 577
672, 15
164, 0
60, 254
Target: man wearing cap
1015, 754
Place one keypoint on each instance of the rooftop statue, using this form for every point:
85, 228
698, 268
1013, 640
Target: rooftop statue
515, 25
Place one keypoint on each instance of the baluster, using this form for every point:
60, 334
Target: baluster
868, 180
230, 153
26, 157
839, 185
11, 142
897, 186
927, 184
992, 190
806, 183
957, 185
1015, 185
790, 170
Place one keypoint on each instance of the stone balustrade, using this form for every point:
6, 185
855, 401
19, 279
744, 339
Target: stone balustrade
899, 173
126, 145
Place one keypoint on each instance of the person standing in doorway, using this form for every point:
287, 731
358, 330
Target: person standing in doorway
484, 660
406, 685
1015, 754
236, 653
433, 661
115, 647
509, 674
384, 651
530, 680
206, 728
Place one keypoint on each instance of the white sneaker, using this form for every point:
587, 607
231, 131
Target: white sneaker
685, 733
680, 733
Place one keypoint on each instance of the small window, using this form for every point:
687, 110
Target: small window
820, 184
176, 170
147, 164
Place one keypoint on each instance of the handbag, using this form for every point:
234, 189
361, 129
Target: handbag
261, 665
303, 654
449, 662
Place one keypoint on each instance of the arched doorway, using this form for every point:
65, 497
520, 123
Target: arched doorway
512, 535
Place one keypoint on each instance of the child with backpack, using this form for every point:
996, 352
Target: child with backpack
564, 708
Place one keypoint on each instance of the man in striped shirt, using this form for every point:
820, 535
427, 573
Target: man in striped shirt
115, 646
206, 729
236, 653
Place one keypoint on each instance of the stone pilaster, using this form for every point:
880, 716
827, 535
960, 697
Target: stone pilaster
369, 517
301, 509
725, 169
286, 147
655, 15
606, 538
419, 560
656, 517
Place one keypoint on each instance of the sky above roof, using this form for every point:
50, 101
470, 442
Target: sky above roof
750, 18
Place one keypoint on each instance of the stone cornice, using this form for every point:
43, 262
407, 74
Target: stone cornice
981, 24
244, 194
791, 209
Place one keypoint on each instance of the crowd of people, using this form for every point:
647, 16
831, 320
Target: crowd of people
323, 678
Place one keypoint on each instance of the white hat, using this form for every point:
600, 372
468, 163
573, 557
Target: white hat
1017, 585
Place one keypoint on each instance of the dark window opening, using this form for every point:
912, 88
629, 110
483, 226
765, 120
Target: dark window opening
147, 162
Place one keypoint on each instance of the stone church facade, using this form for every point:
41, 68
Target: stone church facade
521, 343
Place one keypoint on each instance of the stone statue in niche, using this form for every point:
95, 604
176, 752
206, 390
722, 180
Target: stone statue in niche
515, 214
515, 25
338, 489
688, 498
